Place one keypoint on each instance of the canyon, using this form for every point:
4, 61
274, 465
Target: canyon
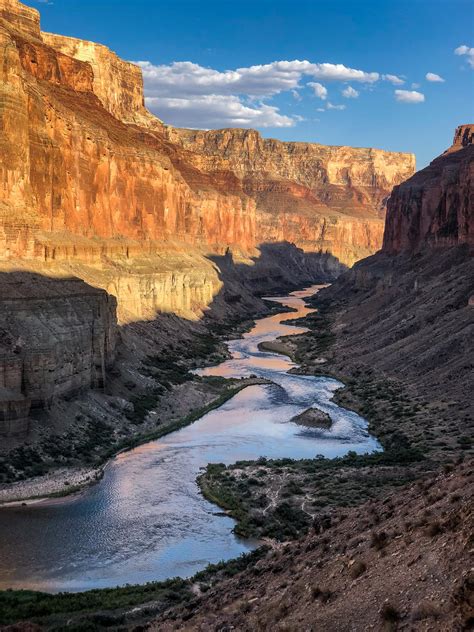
398, 329
172, 224
131, 250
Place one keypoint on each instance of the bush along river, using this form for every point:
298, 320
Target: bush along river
146, 520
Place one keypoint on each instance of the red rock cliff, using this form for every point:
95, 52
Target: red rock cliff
436, 206
92, 184
319, 197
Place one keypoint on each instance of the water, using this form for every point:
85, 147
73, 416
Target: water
146, 519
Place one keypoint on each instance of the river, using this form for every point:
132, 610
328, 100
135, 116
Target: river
146, 519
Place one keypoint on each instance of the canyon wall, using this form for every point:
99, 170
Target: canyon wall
319, 197
434, 208
57, 337
407, 312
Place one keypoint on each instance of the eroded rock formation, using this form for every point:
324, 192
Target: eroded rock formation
319, 197
57, 336
434, 208
407, 311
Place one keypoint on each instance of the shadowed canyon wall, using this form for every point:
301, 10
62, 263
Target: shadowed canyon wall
408, 311
93, 187
57, 336
434, 208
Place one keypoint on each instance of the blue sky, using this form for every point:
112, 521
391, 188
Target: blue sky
235, 63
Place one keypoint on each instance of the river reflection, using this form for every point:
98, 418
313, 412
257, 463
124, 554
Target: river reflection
146, 519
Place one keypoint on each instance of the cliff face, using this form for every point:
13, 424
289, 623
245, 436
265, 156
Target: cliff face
118, 84
57, 336
317, 196
407, 311
84, 160
434, 208
72, 167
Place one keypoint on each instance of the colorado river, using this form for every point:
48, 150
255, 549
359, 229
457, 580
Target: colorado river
146, 519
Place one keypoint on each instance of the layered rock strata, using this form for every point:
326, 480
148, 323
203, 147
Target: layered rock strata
319, 197
434, 208
57, 337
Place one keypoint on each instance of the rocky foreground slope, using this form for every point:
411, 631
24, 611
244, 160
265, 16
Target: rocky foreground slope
396, 564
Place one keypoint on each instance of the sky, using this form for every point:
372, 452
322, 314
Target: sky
392, 74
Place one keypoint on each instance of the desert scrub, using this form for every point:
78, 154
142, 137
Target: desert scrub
110, 607
279, 499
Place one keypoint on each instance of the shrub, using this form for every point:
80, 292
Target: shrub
425, 610
389, 612
433, 529
323, 594
378, 540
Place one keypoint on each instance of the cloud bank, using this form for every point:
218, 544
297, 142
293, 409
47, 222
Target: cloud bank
187, 94
214, 111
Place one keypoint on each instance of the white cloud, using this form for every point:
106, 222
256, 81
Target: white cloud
330, 106
465, 50
433, 77
320, 109
184, 78
409, 96
188, 94
319, 90
396, 81
350, 93
339, 72
214, 111
415, 85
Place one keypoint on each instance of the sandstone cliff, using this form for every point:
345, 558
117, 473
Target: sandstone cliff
88, 174
57, 336
434, 208
317, 196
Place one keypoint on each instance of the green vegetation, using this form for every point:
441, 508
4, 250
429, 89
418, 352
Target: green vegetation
113, 607
280, 498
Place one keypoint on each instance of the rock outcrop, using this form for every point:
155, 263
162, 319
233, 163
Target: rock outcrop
434, 208
57, 337
313, 418
118, 84
407, 312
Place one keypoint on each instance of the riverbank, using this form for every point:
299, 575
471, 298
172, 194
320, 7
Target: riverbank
64, 482
280, 499
150, 386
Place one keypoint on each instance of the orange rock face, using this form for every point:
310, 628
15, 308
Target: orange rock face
317, 196
82, 158
95, 189
436, 206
